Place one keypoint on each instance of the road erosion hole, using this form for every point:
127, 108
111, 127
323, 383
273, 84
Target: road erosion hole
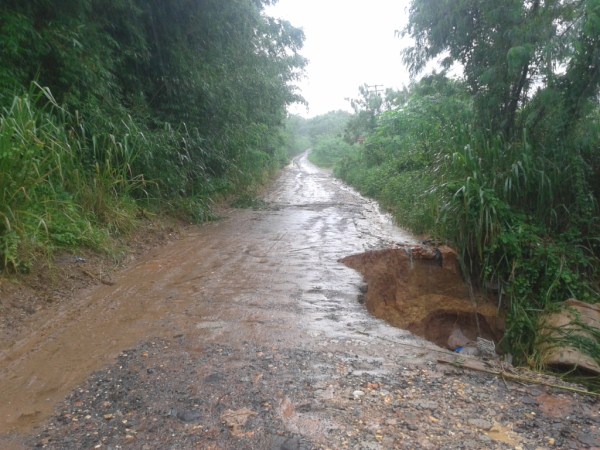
420, 289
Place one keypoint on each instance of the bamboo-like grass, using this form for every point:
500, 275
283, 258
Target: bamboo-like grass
48, 197
507, 207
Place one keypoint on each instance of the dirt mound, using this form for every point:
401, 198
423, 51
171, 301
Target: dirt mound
420, 289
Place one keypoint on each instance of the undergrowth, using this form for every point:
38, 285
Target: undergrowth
522, 212
41, 184
62, 187
110, 110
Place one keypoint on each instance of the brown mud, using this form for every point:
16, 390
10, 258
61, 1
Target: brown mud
420, 289
247, 333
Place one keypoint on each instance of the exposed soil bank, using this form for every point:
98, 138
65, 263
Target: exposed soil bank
420, 289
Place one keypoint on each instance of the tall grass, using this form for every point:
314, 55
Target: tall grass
49, 197
69, 179
512, 210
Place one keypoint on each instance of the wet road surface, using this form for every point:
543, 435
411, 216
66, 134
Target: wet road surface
248, 333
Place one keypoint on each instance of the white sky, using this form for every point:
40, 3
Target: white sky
348, 43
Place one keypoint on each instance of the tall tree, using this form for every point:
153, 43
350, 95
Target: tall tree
507, 49
222, 68
366, 108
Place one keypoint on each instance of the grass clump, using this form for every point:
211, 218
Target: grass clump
48, 198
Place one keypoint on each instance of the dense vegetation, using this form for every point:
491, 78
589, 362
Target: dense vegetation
324, 133
108, 106
502, 162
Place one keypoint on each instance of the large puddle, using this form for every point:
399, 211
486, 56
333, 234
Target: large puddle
420, 289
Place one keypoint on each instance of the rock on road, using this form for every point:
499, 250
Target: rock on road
248, 334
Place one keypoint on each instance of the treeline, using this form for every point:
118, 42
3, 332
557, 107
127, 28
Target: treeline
502, 162
107, 105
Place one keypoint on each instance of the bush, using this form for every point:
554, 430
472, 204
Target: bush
329, 151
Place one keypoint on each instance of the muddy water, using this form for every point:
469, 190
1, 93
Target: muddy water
269, 276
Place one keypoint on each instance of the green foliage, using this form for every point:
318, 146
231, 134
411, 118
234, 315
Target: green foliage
512, 209
366, 108
37, 161
400, 157
295, 137
162, 103
402, 192
331, 124
522, 209
507, 48
329, 151
322, 134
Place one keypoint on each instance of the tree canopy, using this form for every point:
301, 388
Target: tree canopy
185, 99
514, 53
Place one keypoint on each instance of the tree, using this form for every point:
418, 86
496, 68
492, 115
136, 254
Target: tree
366, 109
176, 99
221, 68
330, 124
507, 49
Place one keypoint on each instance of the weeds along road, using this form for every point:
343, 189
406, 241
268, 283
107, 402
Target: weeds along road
248, 333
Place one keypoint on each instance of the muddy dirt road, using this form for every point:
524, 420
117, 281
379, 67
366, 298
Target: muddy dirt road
248, 333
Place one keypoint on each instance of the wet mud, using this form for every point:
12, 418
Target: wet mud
248, 333
420, 289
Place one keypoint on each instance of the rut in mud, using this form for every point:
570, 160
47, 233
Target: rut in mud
247, 333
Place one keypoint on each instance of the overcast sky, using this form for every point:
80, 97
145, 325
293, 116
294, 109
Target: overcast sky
348, 43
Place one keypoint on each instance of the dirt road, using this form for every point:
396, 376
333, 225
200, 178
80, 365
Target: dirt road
248, 333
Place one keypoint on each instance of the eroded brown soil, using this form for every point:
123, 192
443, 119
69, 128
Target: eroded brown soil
45, 344
419, 288
247, 333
